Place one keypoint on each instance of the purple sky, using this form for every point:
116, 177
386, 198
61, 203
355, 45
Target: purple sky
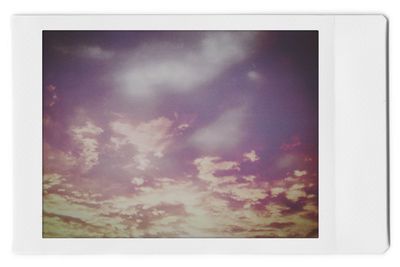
180, 134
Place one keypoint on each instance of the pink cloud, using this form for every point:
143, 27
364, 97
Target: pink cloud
150, 139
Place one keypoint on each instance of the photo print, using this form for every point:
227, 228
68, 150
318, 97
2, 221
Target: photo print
185, 134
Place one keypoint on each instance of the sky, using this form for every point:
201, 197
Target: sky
180, 134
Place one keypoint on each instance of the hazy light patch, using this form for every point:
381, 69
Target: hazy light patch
225, 132
253, 76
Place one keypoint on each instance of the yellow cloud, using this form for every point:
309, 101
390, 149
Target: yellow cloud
50, 180
295, 192
277, 190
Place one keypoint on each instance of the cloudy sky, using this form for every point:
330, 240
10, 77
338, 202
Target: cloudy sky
180, 134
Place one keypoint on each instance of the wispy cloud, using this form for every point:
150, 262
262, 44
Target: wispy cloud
163, 67
86, 51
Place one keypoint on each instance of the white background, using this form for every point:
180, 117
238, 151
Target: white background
175, 6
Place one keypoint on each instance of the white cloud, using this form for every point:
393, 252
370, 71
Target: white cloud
161, 67
251, 156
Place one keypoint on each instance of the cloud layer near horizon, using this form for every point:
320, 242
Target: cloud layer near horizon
180, 134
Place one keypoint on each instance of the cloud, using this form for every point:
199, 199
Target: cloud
137, 180
251, 156
218, 199
50, 180
162, 67
208, 166
299, 173
65, 218
85, 136
243, 192
88, 130
150, 138
58, 160
277, 190
176, 208
225, 132
86, 51
183, 126
249, 178
295, 192
276, 210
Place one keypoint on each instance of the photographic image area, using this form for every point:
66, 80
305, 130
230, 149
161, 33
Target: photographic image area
180, 134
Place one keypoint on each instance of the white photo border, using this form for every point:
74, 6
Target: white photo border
336, 217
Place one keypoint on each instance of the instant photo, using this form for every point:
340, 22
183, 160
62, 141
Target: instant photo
180, 134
